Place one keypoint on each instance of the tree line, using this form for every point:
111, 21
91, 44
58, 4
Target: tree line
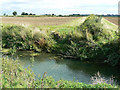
15, 13
60, 15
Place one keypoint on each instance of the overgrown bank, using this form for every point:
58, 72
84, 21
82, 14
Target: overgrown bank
15, 76
95, 39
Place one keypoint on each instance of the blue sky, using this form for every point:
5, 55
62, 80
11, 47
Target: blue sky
59, 6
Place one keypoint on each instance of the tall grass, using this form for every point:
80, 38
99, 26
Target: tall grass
91, 40
15, 76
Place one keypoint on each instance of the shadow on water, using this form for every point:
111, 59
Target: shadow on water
66, 69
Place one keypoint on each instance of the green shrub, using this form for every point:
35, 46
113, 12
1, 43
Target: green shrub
92, 25
91, 40
23, 38
15, 76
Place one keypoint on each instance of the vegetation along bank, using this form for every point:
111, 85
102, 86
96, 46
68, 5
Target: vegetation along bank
15, 76
94, 40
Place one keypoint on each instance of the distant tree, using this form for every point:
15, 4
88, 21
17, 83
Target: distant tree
26, 13
53, 14
23, 13
60, 15
14, 13
4, 14
30, 14
47, 14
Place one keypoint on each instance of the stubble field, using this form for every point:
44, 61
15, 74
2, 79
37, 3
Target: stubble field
38, 21
44, 21
112, 19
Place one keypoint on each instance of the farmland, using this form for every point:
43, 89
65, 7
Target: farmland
112, 19
44, 21
38, 21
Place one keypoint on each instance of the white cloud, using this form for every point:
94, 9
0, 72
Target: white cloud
62, 5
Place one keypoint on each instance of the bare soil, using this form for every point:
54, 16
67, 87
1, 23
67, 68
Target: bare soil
112, 19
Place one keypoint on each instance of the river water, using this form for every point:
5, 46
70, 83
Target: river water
67, 69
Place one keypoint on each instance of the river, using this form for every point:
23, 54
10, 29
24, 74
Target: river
67, 69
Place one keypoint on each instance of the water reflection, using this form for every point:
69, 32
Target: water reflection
67, 69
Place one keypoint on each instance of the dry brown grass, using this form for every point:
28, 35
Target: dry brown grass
112, 19
38, 21
41, 21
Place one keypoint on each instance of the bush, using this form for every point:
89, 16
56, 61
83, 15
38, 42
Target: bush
89, 41
15, 76
23, 38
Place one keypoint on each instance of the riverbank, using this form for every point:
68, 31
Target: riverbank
94, 39
13, 75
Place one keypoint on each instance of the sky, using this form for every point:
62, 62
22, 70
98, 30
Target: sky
57, 7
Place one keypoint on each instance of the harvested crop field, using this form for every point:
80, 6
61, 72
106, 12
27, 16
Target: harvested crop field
38, 21
112, 19
43, 21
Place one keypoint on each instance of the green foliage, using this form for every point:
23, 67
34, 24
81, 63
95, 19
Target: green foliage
94, 40
12, 51
15, 76
23, 38
92, 25
11, 36
14, 13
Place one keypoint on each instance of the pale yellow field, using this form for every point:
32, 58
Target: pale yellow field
112, 19
38, 21
44, 21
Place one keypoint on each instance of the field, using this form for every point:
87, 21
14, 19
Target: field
38, 21
44, 21
112, 19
